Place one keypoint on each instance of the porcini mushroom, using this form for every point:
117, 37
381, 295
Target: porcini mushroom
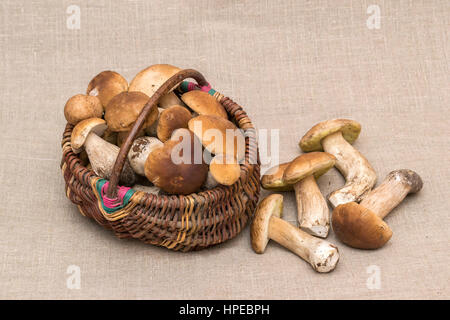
152, 130
102, 155
335, 137
81, 107
225, 169
273, 178
361, 225
203, 103
168, 100
172, 118
123, 110
312, 208
174, 167
218, 135
123, 135
139, 151
150, 79
267, 224
106, 85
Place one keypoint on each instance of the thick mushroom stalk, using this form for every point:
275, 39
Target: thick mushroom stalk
267, 224
312, 209
359, 175
102, 154
397, 185
361, 225
335, 137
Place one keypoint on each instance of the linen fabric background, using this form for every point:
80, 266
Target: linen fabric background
290, 64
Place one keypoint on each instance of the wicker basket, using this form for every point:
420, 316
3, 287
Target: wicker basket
177, 222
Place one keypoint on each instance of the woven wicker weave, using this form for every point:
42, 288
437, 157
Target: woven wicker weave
176, 222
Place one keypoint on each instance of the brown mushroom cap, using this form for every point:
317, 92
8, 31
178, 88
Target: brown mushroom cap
359, 227
81, 107
168, 100
268, 207
81, 131
225, 169
175, 178
207, 128
123, 110
150, 79
313, 163
203, 103
273, 178
311, 141
170, 119
106, 85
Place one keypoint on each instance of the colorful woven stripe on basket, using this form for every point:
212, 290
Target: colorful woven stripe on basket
186, 86
112, 205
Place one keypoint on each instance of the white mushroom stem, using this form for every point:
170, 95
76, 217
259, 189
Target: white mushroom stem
312, 208
322, 255
397, 185
359, 175
102, 156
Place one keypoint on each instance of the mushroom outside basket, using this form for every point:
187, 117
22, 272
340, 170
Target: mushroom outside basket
177, 222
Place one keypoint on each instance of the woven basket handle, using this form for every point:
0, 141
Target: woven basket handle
125, 148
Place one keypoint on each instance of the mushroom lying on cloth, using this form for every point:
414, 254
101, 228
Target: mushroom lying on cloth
312, 208
102, 155
267, 224
204, 104
219, 136
335, 137
81, 107
361, 225
174, 167
106, 85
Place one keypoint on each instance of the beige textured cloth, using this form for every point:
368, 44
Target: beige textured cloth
290, 64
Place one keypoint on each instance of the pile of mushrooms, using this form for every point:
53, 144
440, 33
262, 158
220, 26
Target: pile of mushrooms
187, 143
357, 218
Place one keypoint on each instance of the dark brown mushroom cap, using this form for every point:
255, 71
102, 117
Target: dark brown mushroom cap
407, 177
359, 227
273, 178
182, 176
81, 107
106, 85
218, 135
172, 118
270, 206
123, 110
203, 103
313, 163
311, 141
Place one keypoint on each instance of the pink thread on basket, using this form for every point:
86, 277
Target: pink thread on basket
206, 88
113, 202
194, 86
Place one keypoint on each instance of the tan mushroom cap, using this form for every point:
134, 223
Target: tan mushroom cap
150, 79
83, 129
207, 128
81, 107
106, 85
203, 103
225, 169
123, 110
359, 227
313, 163
273, 178
168, 100
311, 141
268, 207
172, 118
175, 178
